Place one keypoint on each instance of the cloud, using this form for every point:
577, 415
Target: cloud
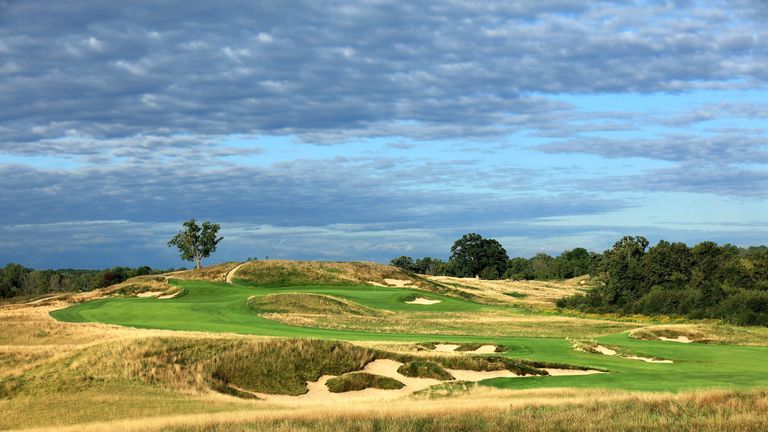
302, 192
736, 147
134, 115
425, 69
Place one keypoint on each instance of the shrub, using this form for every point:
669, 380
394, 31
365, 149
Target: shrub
360, 381
424, 369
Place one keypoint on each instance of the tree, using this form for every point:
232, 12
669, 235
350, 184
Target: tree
196, 242
404, 262
471, 254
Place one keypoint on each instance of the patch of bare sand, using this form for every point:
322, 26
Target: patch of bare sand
445, 347
149, 294
681, 339
318, 393
398, 282
169, 296
486, 349
609, 352
648, 359
423, 301
604, 351
374, 283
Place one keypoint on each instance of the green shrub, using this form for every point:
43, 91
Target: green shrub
360, 381
424, 369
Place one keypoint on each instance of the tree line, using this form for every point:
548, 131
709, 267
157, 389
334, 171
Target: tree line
17, 280
475, 256
704, 281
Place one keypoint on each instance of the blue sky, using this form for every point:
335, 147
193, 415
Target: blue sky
369, 130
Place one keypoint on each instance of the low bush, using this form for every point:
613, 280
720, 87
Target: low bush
360, 381
424, 369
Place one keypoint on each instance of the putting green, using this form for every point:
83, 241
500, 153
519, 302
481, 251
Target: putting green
220, 307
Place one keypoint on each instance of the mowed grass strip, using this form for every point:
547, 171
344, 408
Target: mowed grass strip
361, 381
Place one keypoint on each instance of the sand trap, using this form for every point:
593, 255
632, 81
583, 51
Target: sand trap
649, 359
169, 296
609, 352
423, 301
445, 347
398, 282
681, 339
374, 283
319, 394
604, 351
149, 294
486, 349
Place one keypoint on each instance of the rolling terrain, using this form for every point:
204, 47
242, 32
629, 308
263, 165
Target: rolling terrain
271, 344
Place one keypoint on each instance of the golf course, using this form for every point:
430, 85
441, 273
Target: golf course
246, 343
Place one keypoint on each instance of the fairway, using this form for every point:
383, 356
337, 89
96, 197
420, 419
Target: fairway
220, 307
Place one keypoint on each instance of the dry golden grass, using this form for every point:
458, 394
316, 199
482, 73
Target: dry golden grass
214, 273
483, 410
322, 272
706, 332
539, 294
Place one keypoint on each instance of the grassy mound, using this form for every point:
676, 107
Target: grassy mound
672, 332
424, 369
360, 381
294, 273
276, 366
303, 303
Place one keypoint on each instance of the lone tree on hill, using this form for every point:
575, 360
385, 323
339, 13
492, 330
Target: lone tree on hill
196, 242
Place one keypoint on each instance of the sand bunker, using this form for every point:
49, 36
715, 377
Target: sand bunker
319, 394
604, 351
398, 282
681, 339
169, 296
149, 294
609, 352
648, 359
374, 283
423, 301
485, 349
446, 347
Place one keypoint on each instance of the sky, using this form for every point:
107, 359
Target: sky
372, 129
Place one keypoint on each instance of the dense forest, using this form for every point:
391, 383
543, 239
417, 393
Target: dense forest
704, 281
16, 280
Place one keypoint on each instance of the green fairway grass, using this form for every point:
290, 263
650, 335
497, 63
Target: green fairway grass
220, 307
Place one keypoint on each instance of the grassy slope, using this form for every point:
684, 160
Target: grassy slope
222, 308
